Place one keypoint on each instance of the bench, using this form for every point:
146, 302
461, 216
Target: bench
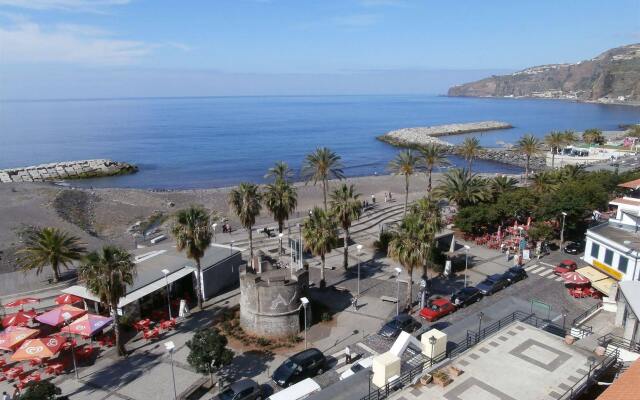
389, 299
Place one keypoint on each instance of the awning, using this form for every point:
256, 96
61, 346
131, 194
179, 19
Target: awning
81, 291
604, 285
591, 274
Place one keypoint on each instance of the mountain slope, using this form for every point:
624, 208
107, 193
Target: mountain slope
613, 76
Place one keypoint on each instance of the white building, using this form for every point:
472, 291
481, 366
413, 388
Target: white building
613, 247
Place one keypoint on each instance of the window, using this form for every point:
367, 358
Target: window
595, 249
622, 264
608, 257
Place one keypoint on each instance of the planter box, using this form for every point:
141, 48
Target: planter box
425, 380
569, 339
441, 379
454, 371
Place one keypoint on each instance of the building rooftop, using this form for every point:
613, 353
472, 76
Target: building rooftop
635, 184
625, 387
631, 292
618, 235
518, 362
626, 200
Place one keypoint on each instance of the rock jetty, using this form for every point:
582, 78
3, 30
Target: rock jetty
428, 134
66, 170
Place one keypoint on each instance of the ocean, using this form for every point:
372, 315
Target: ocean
182, 143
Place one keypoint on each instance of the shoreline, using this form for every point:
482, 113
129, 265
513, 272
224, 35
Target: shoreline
597, 102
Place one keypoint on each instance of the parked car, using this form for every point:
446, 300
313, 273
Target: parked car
515, 274
492, 284
307, 363
466, 296
565, 266
436, 309
403, 322
357, 367
244, 389
576, 247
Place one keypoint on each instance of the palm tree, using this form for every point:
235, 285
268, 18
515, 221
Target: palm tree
345, 207
462, 188
320, 234
428, 212
469, 150
106, 274
544, 181
555, 140
593, 136
279, 172
572, 172
407, 246
433, 156
192, 232
321, 165
530, 146
570, 137
502, 184
281, 199
52, 247
406, 163
245, 201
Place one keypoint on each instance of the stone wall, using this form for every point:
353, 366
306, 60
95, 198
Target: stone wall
66, 170
270, 303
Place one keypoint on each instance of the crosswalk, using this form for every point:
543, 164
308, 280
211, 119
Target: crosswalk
543, 270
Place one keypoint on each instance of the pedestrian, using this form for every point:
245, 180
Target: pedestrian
390, 197
507, 253
5, 396
347, 353
373, 199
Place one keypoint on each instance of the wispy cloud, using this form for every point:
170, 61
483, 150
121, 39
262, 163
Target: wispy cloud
29, 42
66, 5
356, 20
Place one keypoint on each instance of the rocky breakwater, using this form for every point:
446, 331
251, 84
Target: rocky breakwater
512, 157
428, 134
66, 170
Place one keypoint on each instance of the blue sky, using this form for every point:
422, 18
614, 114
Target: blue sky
104, 48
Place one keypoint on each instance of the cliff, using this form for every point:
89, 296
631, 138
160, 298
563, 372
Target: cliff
611, 77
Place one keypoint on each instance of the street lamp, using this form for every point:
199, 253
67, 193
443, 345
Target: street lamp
67, 321
480, 315
466, 263
432, 341
166, 280
564, 317
358, 251
300, 247
231, 248
305, 303
564, 215
280, 235
170, 347
214, 226
398, 270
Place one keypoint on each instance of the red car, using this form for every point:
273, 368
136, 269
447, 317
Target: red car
436, 309
565, 266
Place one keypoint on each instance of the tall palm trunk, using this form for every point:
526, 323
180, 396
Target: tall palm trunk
429, 184
56, 271
116, 330
526, 171
280, 226
251, 244
324, 193
322, 281
469, 163
406, 194
198, 284
410, 289
345, 263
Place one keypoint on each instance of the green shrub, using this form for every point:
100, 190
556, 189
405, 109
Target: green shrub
382, 244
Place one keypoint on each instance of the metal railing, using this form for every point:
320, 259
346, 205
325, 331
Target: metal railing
617, 341
595, 371
576, 320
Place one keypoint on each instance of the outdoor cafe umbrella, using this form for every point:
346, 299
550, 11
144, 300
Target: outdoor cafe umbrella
39, 348
14, 335
88, 325
574, 278
68, 299
23, 301
20, 318
59, 315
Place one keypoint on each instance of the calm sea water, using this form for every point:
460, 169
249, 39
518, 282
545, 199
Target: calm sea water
220, 141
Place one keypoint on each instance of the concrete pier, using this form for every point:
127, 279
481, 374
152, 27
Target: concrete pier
66, 170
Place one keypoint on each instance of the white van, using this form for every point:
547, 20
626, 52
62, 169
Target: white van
299, 391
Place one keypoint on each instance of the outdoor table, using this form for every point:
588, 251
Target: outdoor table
167, 325
13, 373
84, 352
35, 361
35, 377
143, 324
3, 362
152, 334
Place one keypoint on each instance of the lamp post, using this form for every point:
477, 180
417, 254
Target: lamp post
432, 341
305, 303
564, 215
480, 315
214, 226
466, 263
170, 347
300, 246
231, 248
564, 317
67, 320
398, 270
166, 281
358, 251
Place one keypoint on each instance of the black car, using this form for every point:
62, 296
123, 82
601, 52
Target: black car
306, 364
515, 274
466, 296
576, 247
244, 389
403, 322
492, 284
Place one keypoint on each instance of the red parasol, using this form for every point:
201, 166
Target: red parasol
20, 302
68, 299
14, 335
18, 319
88, 325
39, 348
58, 315
574, 278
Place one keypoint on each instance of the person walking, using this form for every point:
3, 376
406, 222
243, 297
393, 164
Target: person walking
507, 253
5, 396
347, 353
